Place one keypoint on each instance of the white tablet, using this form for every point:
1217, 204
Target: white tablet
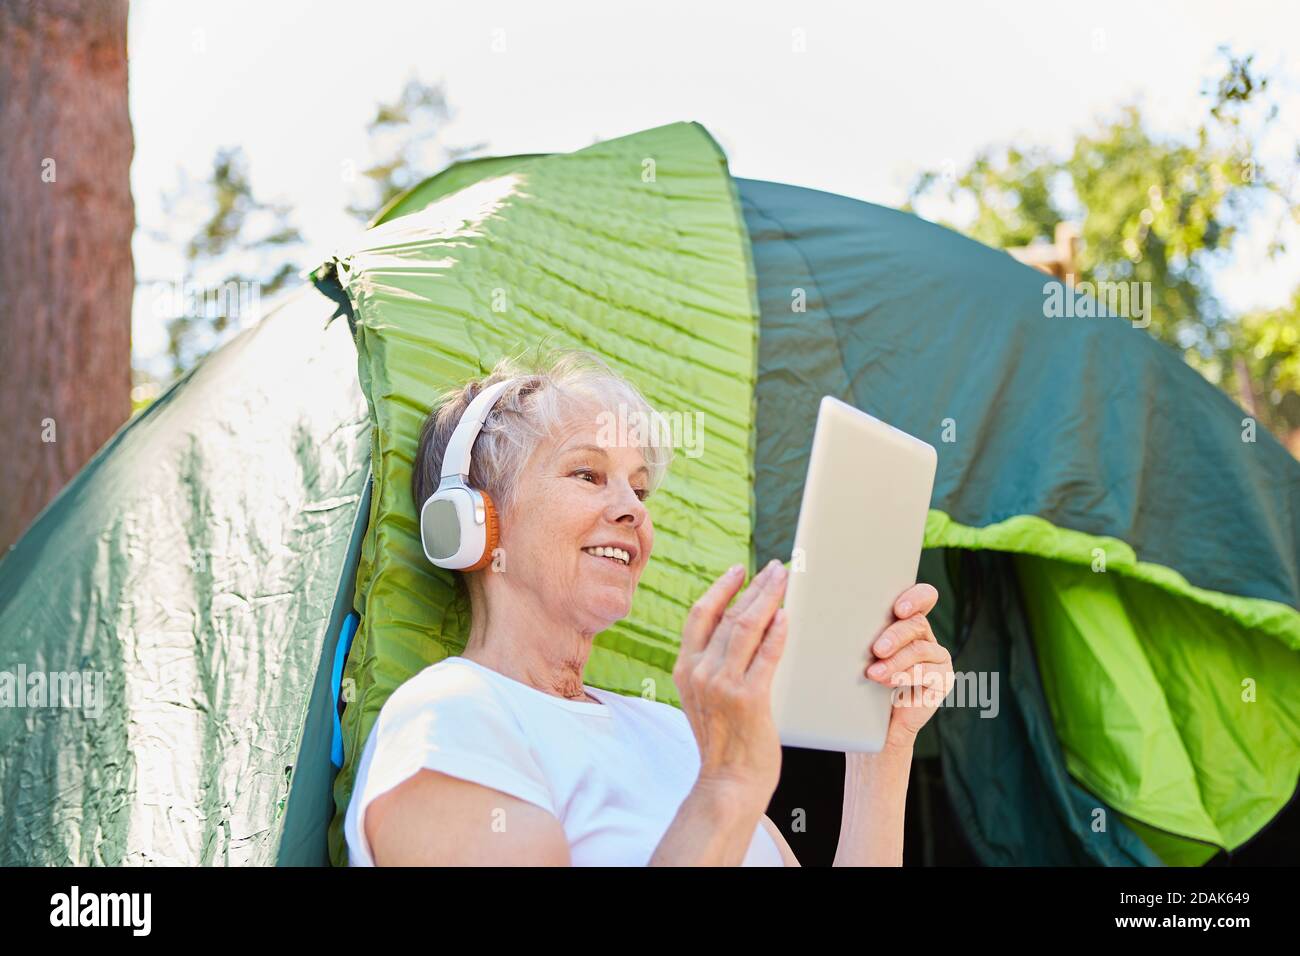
856, 549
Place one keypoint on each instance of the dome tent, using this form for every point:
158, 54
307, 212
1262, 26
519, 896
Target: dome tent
1122, 690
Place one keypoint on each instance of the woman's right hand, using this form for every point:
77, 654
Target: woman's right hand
724, 675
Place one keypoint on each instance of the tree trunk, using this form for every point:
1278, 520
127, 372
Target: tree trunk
1246, 388
66, 218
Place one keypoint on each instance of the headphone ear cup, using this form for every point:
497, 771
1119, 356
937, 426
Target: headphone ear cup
492, 532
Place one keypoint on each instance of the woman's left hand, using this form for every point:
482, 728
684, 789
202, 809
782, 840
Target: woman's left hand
913, 663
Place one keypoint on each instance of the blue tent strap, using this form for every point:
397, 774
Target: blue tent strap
346, 633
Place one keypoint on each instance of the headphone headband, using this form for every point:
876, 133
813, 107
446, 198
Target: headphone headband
455, 462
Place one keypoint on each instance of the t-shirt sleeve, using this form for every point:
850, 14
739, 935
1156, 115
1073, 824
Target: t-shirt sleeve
452, 722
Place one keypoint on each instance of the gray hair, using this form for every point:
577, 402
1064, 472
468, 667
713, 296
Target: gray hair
551, 388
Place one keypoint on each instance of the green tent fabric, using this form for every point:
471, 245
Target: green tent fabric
632, 248
1006, 775
1211, 757
199, 563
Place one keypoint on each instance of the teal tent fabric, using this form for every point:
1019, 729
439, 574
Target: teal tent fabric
1061, 435
1090, 424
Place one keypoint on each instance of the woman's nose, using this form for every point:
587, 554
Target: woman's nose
627, 508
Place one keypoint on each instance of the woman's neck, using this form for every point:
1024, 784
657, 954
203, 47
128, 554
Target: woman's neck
515, 639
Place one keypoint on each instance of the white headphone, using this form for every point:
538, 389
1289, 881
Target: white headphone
459, 528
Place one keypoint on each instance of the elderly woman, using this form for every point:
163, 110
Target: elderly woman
503, 755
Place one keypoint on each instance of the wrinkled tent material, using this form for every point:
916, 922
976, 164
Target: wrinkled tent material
1106, 543
198, 562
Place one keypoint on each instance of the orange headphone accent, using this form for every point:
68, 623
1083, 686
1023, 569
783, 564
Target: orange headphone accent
493, 533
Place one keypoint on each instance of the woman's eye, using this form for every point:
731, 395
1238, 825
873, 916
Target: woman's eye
586, 473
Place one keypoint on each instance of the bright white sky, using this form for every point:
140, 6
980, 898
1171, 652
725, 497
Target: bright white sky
883, 91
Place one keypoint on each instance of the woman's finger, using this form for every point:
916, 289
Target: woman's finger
901, 633
918, 652
923, 685
756, 585
749, 626
763, 669
702, 619
918, 599
718, 647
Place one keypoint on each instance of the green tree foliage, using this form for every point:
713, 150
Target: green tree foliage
1265, 352
406, 134
1158, 211
240, 250
240, 255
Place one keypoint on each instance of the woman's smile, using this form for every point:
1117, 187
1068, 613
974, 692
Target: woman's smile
614, 564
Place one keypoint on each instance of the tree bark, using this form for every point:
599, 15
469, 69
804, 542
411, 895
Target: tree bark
66, 272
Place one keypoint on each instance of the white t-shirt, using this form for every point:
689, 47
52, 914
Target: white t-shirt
614, 774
